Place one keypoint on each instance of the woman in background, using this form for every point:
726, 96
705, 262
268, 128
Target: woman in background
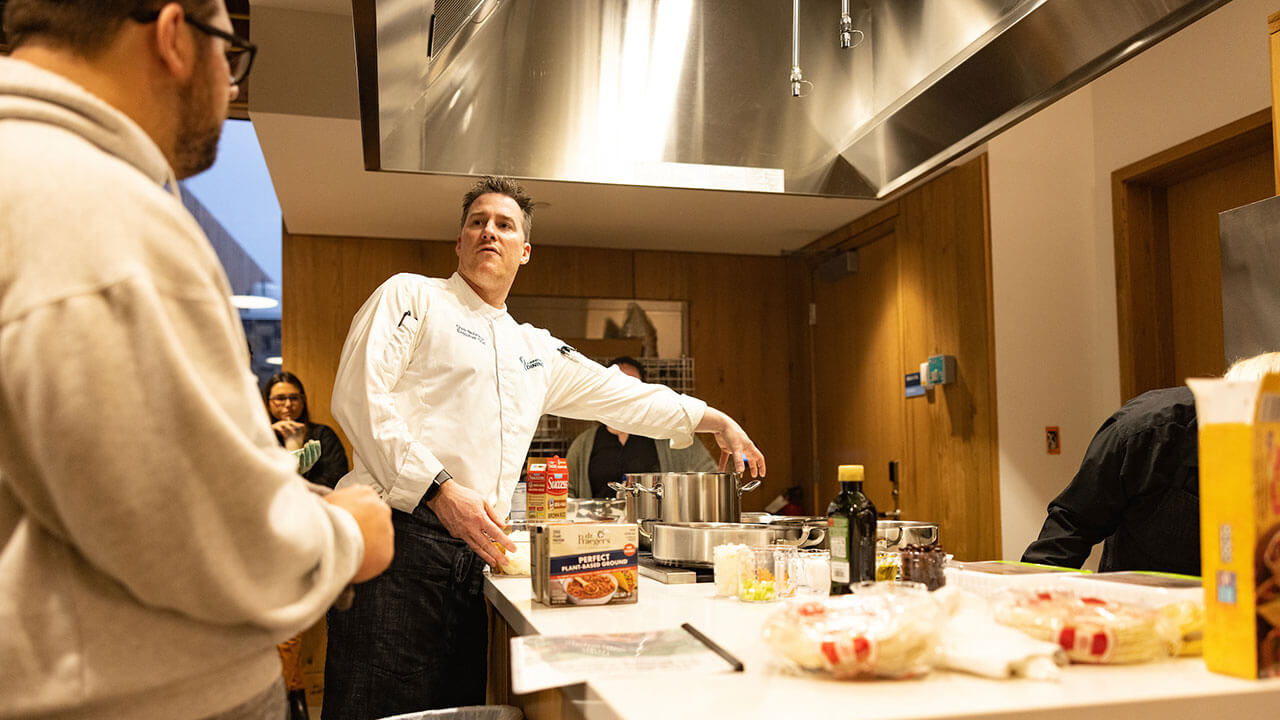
287, 405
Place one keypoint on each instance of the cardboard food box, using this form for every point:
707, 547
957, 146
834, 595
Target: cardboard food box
547, 490
1239, 426
585, 563
535, 492
557, 488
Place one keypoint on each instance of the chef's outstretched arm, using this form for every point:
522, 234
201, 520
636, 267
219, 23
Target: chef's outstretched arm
733, 441
470, 518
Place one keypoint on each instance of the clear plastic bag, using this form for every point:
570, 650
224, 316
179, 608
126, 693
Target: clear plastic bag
1090, 629
880, 630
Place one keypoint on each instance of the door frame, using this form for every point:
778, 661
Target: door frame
1139, 201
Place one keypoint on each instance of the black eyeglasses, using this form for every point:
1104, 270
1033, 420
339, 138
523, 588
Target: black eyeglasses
239, 54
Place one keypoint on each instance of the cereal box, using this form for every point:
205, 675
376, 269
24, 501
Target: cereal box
585, 563
1239, 425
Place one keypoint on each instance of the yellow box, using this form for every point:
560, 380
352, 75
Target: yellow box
1239, 425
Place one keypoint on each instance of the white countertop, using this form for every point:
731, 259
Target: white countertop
1168, 690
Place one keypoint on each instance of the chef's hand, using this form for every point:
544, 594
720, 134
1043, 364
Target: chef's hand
470, 518
374, 518
733, 441
292, 432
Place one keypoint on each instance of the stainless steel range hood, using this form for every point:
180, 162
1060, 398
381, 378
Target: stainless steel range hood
696, 93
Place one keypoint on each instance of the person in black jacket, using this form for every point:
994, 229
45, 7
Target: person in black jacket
287, 405
1138, 489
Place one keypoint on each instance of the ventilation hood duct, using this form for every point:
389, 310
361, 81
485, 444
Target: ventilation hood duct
697, 93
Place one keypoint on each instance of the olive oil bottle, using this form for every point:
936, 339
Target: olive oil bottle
851, 526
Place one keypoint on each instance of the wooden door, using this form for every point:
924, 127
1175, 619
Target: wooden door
1168, 257
1195, 270
857, 361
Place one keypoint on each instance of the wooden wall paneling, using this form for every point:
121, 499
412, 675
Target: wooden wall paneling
1273, 30
576, 272
738, 336
1143, 294
858, 370
945, 276
804, 450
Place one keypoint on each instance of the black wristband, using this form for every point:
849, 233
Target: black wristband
437, 482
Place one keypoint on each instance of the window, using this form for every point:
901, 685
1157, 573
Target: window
235, 204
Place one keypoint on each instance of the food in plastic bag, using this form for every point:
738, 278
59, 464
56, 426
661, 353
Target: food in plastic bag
972, 641
886, 629
1090, 629
1188, 618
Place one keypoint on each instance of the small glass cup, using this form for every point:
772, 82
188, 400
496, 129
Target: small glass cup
811, 572
766, 574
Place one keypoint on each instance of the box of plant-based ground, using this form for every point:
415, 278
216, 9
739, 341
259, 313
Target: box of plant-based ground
575, 564
1239, 427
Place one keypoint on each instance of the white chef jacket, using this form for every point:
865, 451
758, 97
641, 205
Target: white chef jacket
434, 378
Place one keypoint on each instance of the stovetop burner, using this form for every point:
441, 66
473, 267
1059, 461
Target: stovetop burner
672, 575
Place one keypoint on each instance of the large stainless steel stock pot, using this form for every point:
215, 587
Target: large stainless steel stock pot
693, 544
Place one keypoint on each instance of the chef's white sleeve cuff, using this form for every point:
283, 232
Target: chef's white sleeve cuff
416, 475
694, 409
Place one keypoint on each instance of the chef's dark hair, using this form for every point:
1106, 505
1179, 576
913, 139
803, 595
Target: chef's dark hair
286, 376
83, 26
628, 360
502, 186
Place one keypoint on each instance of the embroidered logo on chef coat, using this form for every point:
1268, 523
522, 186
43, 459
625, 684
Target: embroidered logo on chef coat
530, 364
471, 334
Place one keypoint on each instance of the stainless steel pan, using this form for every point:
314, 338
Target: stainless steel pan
693, 544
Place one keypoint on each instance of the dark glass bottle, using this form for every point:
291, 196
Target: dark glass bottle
851, 526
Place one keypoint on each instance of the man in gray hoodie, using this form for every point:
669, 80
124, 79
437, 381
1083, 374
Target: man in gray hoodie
155, 542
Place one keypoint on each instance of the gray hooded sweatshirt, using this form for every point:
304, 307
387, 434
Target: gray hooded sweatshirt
155, 542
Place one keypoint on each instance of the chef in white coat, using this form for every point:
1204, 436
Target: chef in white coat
440, 392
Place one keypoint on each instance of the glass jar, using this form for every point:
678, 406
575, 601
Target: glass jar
811, 572
766, 573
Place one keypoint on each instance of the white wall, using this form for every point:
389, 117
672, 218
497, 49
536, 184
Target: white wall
1053, 256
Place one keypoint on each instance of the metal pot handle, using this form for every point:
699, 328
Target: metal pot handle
748, 486
651, 490
619, 487
800, 541
813, 542
646, 535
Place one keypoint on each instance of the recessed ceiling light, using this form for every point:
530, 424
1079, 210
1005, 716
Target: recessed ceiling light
254, 302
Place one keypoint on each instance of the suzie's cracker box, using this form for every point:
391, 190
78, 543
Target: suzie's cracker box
584, 563
1239, 427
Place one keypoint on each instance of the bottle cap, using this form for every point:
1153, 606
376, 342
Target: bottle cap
849, 473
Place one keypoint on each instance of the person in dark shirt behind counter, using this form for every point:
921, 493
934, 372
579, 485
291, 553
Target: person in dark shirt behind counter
601, 454
1138, 489
286, 401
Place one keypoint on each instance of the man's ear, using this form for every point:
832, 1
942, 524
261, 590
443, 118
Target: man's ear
457, 246
175, 46
524, 255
